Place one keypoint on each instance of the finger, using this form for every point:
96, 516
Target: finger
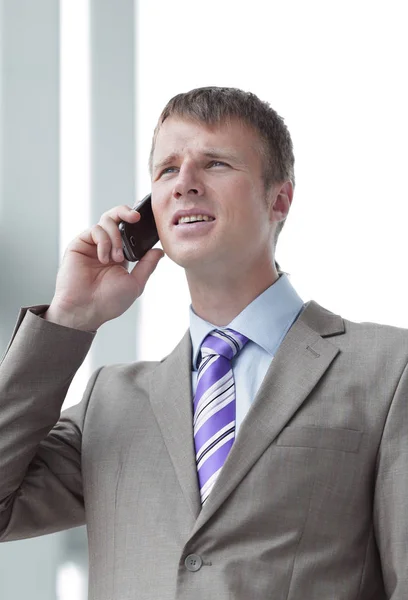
145, 267
103, 243
82, 242
111, 228
110, 221
122, 213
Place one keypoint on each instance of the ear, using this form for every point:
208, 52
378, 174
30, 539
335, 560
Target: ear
282, 196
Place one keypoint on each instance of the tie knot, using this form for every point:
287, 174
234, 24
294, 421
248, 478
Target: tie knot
224, 342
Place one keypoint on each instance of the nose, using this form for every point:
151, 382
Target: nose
188, 183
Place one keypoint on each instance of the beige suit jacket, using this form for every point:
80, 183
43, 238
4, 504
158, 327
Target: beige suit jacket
312, 503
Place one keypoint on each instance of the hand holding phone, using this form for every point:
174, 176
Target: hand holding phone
93, 284
138, 238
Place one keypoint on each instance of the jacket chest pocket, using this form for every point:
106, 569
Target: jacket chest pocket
336, 466
329, 438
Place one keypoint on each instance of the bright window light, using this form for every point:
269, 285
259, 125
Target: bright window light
75, 170
336, 73
71, 582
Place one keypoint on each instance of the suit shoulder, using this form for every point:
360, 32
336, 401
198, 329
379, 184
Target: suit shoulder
366, 338
138, 370
379, 330
376, 339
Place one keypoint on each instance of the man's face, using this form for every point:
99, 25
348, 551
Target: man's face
213, 174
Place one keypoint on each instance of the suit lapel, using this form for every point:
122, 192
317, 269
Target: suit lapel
171, 400
302, 359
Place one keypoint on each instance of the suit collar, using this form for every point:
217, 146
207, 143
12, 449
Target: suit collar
321, 320
301, 360
265, 321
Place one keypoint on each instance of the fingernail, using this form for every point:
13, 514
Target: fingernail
119, 254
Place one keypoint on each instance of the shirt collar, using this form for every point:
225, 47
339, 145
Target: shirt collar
265, 321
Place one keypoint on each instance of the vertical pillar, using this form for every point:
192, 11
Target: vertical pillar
29, 179
113, 145
29, 170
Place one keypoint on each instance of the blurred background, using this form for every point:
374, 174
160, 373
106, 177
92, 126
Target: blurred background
82, 83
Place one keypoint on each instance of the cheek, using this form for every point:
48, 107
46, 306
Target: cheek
251, 215
158, 207
160, 225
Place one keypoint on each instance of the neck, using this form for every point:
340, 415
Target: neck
219, 299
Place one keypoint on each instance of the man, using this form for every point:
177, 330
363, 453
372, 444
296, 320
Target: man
266, 456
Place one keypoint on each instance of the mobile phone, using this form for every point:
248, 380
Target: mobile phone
138, 238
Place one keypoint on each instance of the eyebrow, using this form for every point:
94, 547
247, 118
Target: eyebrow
166, 161
210, 153
219, 153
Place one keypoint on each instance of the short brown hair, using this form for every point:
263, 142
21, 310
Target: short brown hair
214, 105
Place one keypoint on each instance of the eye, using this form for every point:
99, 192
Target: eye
217, 163
168, 170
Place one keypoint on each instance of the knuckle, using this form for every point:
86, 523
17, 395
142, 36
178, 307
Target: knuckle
116, 211
99, 234
105, 218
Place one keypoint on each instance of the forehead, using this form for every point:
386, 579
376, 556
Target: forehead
179, 136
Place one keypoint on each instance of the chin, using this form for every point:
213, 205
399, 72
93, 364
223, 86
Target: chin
192, 258
186, 262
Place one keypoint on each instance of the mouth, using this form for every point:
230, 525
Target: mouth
186, 217
194, 219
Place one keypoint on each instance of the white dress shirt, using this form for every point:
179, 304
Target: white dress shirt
265, 322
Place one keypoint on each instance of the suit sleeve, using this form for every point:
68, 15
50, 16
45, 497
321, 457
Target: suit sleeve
40, 451
391, 495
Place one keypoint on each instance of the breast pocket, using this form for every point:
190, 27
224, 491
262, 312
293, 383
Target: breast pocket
329, 438
333, 462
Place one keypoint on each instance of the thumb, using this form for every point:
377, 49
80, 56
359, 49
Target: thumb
145, 267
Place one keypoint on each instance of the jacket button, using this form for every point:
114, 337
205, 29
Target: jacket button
193, 562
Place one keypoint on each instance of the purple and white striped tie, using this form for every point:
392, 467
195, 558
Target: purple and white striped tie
214, 405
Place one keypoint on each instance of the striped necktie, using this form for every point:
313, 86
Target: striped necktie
214, 405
